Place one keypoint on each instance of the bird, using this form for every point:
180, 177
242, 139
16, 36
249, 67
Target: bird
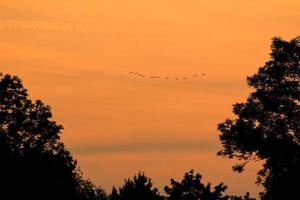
195, 75
203, 74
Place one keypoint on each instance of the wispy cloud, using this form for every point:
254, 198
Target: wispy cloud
14, 14
145, 147
21, 20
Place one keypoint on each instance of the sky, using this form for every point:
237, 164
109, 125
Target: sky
76, 56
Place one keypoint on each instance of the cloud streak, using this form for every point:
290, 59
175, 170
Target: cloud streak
13, 14
21, 20
145, 147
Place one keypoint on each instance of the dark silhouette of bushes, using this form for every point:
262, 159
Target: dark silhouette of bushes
191, 188
139, 187
88, 191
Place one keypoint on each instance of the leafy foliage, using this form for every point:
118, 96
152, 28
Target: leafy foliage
191, 188
137, 188
34, 163
89, 191
268, 124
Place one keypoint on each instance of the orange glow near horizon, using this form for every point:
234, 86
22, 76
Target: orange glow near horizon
76, 56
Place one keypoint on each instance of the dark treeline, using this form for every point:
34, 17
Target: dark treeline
35, 165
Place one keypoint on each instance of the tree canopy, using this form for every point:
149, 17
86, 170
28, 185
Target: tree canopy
191, 188
267, 125
34, 162
137, 188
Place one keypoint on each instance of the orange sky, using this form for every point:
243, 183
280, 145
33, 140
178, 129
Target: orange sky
76, 55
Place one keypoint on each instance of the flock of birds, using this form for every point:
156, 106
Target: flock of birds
165, 77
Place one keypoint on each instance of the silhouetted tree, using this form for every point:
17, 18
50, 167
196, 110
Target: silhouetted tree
89, 191
191, 188
245, 197
114, 194
268, 124
138, 188
34, 164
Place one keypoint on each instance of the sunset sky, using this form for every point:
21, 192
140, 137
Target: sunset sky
76, 55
